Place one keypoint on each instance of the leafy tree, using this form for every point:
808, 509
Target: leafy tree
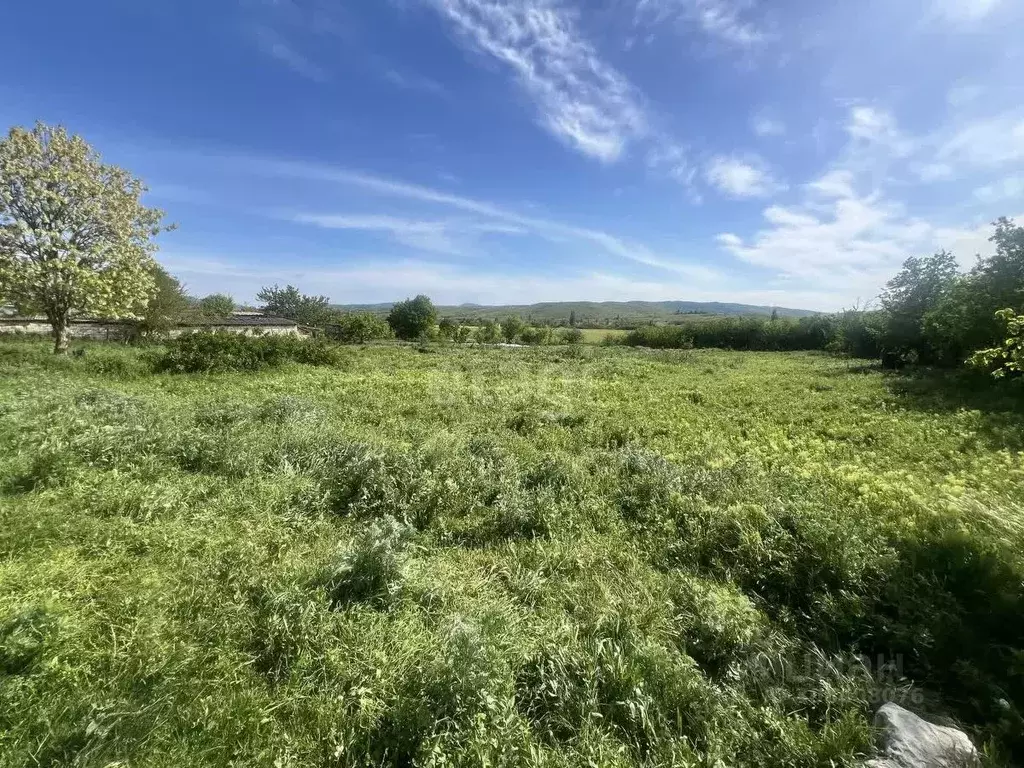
74, 234
462, 334
216, 305
572, 336
288, 302
572, 318
917, 290
447, 328
511, 327
1008, 357
359, 328
412, 318
536, 335
167, 305
965, 319
488, 333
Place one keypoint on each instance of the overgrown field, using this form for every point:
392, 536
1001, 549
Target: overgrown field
576, 556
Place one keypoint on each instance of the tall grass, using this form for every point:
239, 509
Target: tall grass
475, 557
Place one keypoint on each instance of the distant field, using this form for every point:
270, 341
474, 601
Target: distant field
597, 335
465, 556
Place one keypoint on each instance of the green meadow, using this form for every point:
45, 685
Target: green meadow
455, 556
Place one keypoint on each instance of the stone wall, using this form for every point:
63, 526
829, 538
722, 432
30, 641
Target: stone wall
83, 329
122, 331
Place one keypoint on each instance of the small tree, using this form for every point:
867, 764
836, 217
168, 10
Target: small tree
167, 305
412, 318
216, 305
447, 328
288, 302
462, 334
488, 333
1008, 358
572, 318
74, 235
359, 328
571, 336
511, 327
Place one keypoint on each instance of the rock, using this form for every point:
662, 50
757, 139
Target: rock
907, 741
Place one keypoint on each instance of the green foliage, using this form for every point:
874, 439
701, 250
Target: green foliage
74, 235
447, 328
535, 335
371, 570
612, 557
1008, 358
462, 335
741, 333
488, 333
224, 351
358, 328
570, 336
511, 327
167, 306
216, 305
412, 318
313, 311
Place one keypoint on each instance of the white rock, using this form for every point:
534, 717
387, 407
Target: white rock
907, 741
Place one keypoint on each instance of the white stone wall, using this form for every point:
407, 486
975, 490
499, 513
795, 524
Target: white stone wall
79, 330
122, 331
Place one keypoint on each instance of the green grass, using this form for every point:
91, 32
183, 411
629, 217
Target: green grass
542, 556
598, 335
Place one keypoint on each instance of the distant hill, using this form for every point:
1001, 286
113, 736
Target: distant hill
596, 314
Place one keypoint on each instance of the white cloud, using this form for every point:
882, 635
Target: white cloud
273, 45
741, 177
872, 125
413, 82
988, 142
934, 171
835, 183
765, 125
965, 10
552, 230
579, 98
1010, 188
438, 236
722, 20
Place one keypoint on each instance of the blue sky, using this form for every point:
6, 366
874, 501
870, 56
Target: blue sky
792, 152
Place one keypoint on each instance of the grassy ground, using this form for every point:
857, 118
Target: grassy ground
556, 557
598, 335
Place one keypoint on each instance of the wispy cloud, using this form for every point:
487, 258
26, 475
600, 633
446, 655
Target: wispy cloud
273, 45
438, 236
741, 176
550, 229
413, 82
964, 10
765, 125
722, 20
579, 98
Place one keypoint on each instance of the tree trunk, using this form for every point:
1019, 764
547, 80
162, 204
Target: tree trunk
61, 335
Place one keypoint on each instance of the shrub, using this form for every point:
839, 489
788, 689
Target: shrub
371, 571
222, 351
359, 328
571, 336
412, 318
539, 335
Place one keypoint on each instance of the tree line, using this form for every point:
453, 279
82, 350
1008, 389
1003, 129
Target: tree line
75, 237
